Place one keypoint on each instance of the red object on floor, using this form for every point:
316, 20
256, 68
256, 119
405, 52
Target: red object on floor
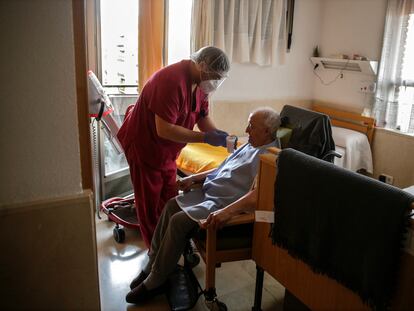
121, 211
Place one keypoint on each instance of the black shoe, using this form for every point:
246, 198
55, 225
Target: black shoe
138, 280
141, 293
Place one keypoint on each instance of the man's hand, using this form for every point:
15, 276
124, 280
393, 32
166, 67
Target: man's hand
185, 184
216, 220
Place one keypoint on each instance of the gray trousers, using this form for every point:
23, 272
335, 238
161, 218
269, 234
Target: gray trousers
173, 230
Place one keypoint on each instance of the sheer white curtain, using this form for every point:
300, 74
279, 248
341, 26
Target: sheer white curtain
249, 31
394, 100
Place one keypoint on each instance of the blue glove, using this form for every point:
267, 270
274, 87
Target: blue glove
216, 138
222, 132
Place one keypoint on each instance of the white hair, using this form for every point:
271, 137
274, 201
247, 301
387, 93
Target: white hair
271, 119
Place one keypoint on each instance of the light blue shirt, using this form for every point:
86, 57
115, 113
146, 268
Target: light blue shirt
225, 185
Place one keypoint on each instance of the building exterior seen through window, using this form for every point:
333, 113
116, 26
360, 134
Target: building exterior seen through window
406, 90
119, 41
119, 46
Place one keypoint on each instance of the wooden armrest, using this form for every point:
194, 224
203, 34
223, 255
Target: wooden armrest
274, 150
236, 220
241, 219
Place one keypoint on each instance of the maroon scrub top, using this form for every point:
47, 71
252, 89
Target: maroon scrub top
168, 95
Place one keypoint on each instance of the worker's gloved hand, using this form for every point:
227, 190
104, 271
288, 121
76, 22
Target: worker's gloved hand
222, 132
216, 138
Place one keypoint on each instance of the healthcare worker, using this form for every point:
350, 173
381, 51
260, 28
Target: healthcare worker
160, 124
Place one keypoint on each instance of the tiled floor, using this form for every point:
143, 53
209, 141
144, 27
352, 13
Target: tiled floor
120, 263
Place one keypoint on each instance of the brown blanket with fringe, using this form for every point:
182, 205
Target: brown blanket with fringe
342, 224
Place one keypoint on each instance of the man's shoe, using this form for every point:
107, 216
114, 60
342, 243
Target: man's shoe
141, 293
138, 280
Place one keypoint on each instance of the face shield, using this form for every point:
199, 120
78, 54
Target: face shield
210, 80
209, 86
213, 65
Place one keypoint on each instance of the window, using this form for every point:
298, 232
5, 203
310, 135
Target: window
119, 46
394, 100
405, 91
118, 73
119, 41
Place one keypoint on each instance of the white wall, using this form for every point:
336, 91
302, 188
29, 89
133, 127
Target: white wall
338, 27
349, 27
39, 135
294, 79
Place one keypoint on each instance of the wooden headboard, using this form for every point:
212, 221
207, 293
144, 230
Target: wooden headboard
349, 120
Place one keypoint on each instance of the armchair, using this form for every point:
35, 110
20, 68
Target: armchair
234, 241
231, 243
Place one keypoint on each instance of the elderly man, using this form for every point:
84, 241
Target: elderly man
225, 192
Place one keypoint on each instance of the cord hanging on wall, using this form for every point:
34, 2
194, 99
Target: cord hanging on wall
340, 74
358, 66
289, 22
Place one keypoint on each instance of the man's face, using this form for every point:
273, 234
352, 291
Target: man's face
258, 132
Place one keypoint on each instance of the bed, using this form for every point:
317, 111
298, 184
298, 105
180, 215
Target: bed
352, 134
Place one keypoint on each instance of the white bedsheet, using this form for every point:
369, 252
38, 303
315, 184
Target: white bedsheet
354, 147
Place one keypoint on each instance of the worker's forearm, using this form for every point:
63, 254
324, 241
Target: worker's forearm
206, 124
179, 134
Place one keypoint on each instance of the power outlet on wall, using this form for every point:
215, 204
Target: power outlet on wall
367, 87
388, 179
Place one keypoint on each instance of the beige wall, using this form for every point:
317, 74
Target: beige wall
232, 116
352, 26
39, 132
48, 259
393, 154
349, 27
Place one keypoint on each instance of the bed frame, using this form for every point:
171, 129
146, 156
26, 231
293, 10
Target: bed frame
349, 120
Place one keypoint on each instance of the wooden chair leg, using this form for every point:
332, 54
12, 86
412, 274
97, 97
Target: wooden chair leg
258, 290
211, 259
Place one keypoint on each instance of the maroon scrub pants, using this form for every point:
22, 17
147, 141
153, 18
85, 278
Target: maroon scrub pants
152, 189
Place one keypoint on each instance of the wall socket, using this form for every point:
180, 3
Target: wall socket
386, 178
367, 87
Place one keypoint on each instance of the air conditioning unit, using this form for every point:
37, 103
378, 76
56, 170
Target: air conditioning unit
362, 66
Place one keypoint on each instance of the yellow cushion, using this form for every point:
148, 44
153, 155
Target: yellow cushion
284, 134
198, 157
